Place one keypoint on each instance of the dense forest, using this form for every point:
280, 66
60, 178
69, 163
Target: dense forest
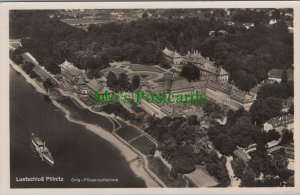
51, 41
246, 54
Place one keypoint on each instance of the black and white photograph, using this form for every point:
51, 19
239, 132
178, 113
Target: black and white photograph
151, 98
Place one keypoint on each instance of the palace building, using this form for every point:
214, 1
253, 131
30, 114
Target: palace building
229, 95
172, 56
72, 76
223, 93
208, 69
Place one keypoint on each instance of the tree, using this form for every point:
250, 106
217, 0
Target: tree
105, 60
287, 137
47, 83
33, 74
17, 58
260, 112
135, 83
248, 180
253, 52
190, 72
224, 144
111, 79
291, 109
217, 167
185, 133
271, 135
145, 15
123, 82
183, 161
280, 160
55, 70
242, 131
238, 167
274, 104
163, 62
192, 120
19, 51
27, 67
276, 14
284, 77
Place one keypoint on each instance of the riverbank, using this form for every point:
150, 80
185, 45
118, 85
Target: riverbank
129, 154
29, 80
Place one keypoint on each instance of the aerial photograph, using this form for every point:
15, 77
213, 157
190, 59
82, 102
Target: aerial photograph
151, 98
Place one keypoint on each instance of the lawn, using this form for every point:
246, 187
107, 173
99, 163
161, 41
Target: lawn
139, 67
163, 79
128, 133
143, 144
85, 115
117, 71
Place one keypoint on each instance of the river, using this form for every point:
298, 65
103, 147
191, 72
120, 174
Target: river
78, 153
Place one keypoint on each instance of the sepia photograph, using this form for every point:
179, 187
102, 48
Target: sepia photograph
151, 98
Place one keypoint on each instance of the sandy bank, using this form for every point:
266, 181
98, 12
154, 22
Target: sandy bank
130, 155
29, 80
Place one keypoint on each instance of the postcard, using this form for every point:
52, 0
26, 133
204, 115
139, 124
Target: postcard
149, 97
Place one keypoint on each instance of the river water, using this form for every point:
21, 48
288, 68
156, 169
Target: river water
77, 152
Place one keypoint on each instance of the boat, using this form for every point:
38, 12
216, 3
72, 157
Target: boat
42, 150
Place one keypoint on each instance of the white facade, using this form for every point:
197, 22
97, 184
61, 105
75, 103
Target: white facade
225, 99
177, 60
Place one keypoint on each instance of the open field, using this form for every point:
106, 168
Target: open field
202, 178
145, 76
143, 144
128, 133
164, 78
82, 114
140, 67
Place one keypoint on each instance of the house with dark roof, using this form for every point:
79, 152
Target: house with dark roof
276, 74
195, 57
210, 71
172, 56
74, 77
241, 155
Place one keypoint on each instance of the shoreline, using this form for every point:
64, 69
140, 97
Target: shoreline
129, 154
29, 80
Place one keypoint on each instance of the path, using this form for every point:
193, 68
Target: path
234, 181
